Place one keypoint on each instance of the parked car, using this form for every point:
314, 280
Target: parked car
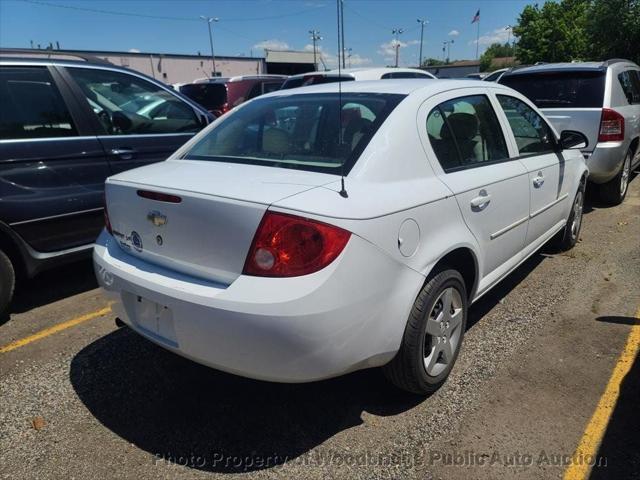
495, 75
219, 95
312, 234
350, 74
476, 76
65, 126
600, 99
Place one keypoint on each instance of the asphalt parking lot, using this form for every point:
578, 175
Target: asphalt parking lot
82, 398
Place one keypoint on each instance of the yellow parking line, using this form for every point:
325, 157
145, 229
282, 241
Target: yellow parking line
55, 329
596, 427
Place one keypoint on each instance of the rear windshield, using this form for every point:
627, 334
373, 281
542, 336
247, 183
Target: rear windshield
209, 95
315, 132
573, 89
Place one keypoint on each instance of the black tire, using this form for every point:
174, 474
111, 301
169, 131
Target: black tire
7, 281
567, 238
407, 369
612, 192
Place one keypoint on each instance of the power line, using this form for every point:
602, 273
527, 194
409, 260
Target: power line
162, 17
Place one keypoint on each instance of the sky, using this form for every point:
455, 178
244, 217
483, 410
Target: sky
247, 27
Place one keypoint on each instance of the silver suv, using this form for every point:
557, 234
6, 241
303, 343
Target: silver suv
599, 99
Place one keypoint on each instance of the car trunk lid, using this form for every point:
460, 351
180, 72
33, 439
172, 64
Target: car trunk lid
206, 225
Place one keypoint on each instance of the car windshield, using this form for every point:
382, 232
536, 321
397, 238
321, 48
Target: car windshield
571, 89
304, 132
209, 95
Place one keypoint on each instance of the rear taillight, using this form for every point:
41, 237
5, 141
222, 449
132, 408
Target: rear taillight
611, 126
289, 246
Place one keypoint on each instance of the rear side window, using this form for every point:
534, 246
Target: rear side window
465, 132
128, 105
319, 132
210, 95
533, 135
630, 83
31, 105
571, 89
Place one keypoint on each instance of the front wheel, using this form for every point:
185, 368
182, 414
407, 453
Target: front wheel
567, 238
614, 191
433, 335
7, 281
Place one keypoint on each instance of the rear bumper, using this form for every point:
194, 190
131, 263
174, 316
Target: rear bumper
605, 161
348, 316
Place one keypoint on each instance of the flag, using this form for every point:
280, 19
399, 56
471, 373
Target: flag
476, 17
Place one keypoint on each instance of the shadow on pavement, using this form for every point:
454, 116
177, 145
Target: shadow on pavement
620, 446
619, 320
185, 413
53, 285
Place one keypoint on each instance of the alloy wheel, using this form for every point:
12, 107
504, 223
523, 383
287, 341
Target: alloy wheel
443, 331
577, 214
624, 178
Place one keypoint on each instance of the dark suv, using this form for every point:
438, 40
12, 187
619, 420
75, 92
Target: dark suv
65, 126
220, 95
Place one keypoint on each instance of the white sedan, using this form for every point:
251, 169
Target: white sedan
312, 233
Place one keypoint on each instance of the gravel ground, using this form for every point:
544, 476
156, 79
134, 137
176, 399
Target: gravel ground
99, 401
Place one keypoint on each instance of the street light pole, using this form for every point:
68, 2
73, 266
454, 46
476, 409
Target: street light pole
342, 30
509, 29
422, 24
397, 32
315, 37
349, 50
209, 21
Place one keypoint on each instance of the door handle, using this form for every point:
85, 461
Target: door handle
481, 201
538, 181
123, 152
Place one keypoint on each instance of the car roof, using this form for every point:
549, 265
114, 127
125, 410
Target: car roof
369, 73
390, 86
560, 67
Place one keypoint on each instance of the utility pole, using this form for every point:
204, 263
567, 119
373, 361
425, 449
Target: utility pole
342, 30
397, 32
209, 21
447, 44
315, 37
422, 24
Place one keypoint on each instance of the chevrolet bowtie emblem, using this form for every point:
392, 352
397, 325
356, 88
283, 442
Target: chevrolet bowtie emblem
157, 218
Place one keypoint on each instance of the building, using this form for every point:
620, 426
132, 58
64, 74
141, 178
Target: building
175, 68
459, 69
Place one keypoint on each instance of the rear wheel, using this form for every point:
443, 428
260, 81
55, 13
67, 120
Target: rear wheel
567, 238
614, 191
7, 281
433, 335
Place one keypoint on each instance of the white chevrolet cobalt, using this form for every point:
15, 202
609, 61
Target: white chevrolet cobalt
311, 233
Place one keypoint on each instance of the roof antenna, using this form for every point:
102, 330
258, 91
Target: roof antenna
343, 192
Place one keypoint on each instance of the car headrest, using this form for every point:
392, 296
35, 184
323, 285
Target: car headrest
464, 124
275, 140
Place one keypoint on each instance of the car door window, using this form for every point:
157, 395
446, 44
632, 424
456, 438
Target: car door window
630, 83
465, 132
532, 134
31, 105
128, 105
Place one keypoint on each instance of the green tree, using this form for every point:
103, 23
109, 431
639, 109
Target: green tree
495, 50
555, 32
613, 28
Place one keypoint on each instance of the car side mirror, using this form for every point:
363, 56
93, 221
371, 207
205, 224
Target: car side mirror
570, 139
